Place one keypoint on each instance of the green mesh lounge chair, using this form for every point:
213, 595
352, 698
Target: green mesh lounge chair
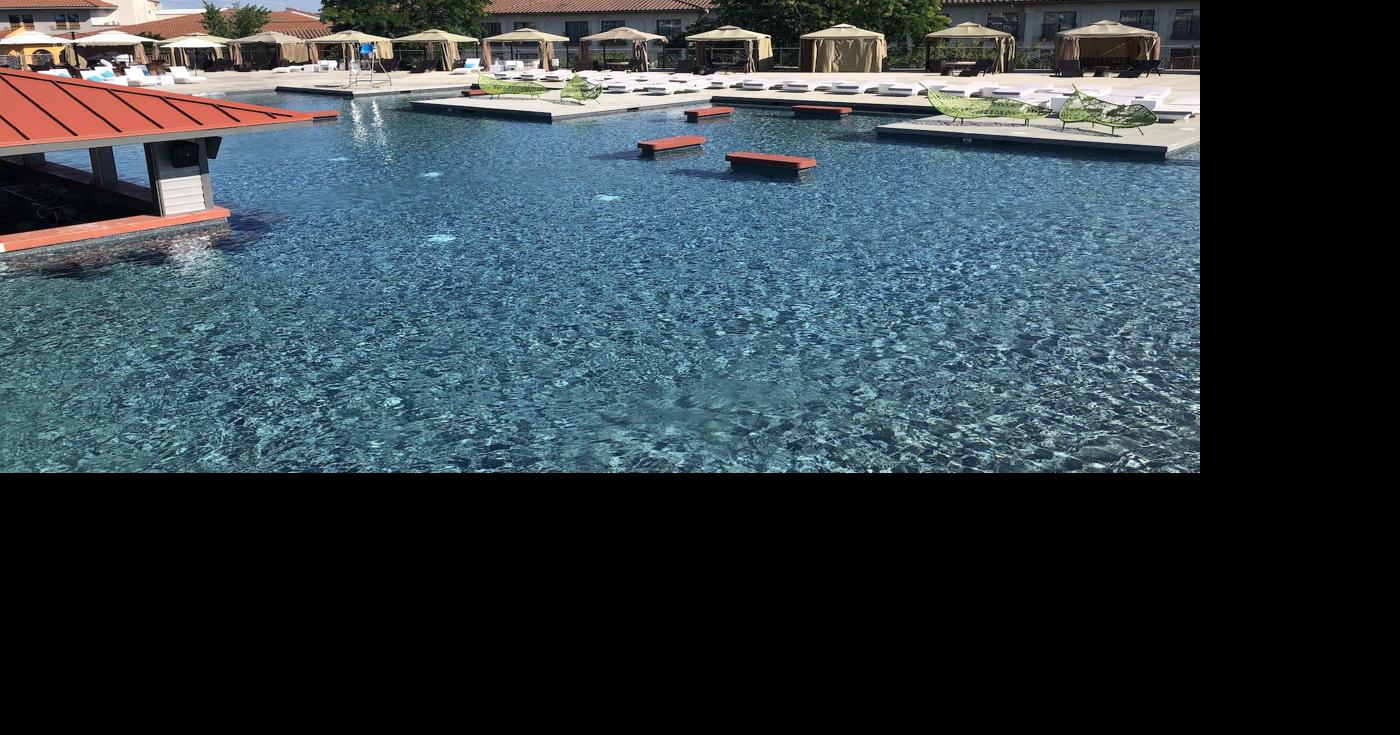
1081, 107
493, 86
964, 108
580, 89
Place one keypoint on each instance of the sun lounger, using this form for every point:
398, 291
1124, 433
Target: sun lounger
855, 87
809, 85
899, 89
558, 75
962, 90
693, 85
137, 77
281, 69
1148, 93
966, 108
1013, 90
1081, 107
754, 84
623, 86
183, 76
94, 75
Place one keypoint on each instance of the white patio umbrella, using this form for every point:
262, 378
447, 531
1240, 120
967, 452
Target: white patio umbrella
118, 38
189, 43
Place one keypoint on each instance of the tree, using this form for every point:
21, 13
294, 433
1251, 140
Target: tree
238, 21
402, 17
904, 22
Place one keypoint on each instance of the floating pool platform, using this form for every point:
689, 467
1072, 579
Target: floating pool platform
752, 162
671, 144
330, 88
1156, 141
705, 113
550, 109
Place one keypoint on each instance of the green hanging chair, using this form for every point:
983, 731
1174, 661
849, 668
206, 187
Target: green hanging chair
1081, 107
580, 89
493, 86
966, 108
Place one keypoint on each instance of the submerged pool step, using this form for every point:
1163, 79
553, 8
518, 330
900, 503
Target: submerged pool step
830, 112
674, 143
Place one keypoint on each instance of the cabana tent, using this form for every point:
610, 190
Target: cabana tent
620, 34
842, 48
546, 42
181, 48
350, 43
117, 39
25, 43
1005, 43
432, 37
1107, 40
758, 46
291, 48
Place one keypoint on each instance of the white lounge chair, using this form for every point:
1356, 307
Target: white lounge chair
899, 89
183, 76
962, 90
809, 85
57, 73
136, 76
1010, 91
558, 75
1148, 93
623, 86
329, 65
855, 87
669, 87
281, 69
97, 75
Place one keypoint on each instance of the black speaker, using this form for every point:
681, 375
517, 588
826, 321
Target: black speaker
211, 147
184, 153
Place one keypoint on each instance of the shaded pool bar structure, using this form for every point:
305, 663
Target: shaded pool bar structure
43, 203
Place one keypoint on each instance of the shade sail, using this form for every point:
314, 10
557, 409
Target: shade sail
623, 33
842, 48
1004, 42
112, 38
527, 35
434, 35
33, 38
727, 33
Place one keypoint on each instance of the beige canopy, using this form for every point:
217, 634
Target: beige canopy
383, 47
181, 46
119, 39
1107, 39
758, 45
637, 38
290, 48
433, 37
546, 42
1004, 42
842, 48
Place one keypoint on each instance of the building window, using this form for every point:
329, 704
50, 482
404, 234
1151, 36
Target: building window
668, 28
491, 29
525, 24
1006, 23
1144, 19
1056, 22
1187, 26
26, 20
65, 22
575, 29
608, 25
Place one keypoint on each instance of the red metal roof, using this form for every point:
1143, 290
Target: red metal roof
38, 109
543, 7
27, 4
292, 23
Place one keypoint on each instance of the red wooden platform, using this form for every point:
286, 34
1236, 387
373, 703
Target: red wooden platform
670, 144
693, 115
787, 163
106, 228
827, 111
473, 92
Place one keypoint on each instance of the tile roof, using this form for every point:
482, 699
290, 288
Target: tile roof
292, 23
544, 7
27, 4
38, 109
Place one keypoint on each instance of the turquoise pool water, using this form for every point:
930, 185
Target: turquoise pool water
406, 291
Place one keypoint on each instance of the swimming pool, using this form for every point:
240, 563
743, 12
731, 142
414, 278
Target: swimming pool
408, 291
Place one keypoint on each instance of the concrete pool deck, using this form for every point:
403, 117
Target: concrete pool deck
1157, 141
